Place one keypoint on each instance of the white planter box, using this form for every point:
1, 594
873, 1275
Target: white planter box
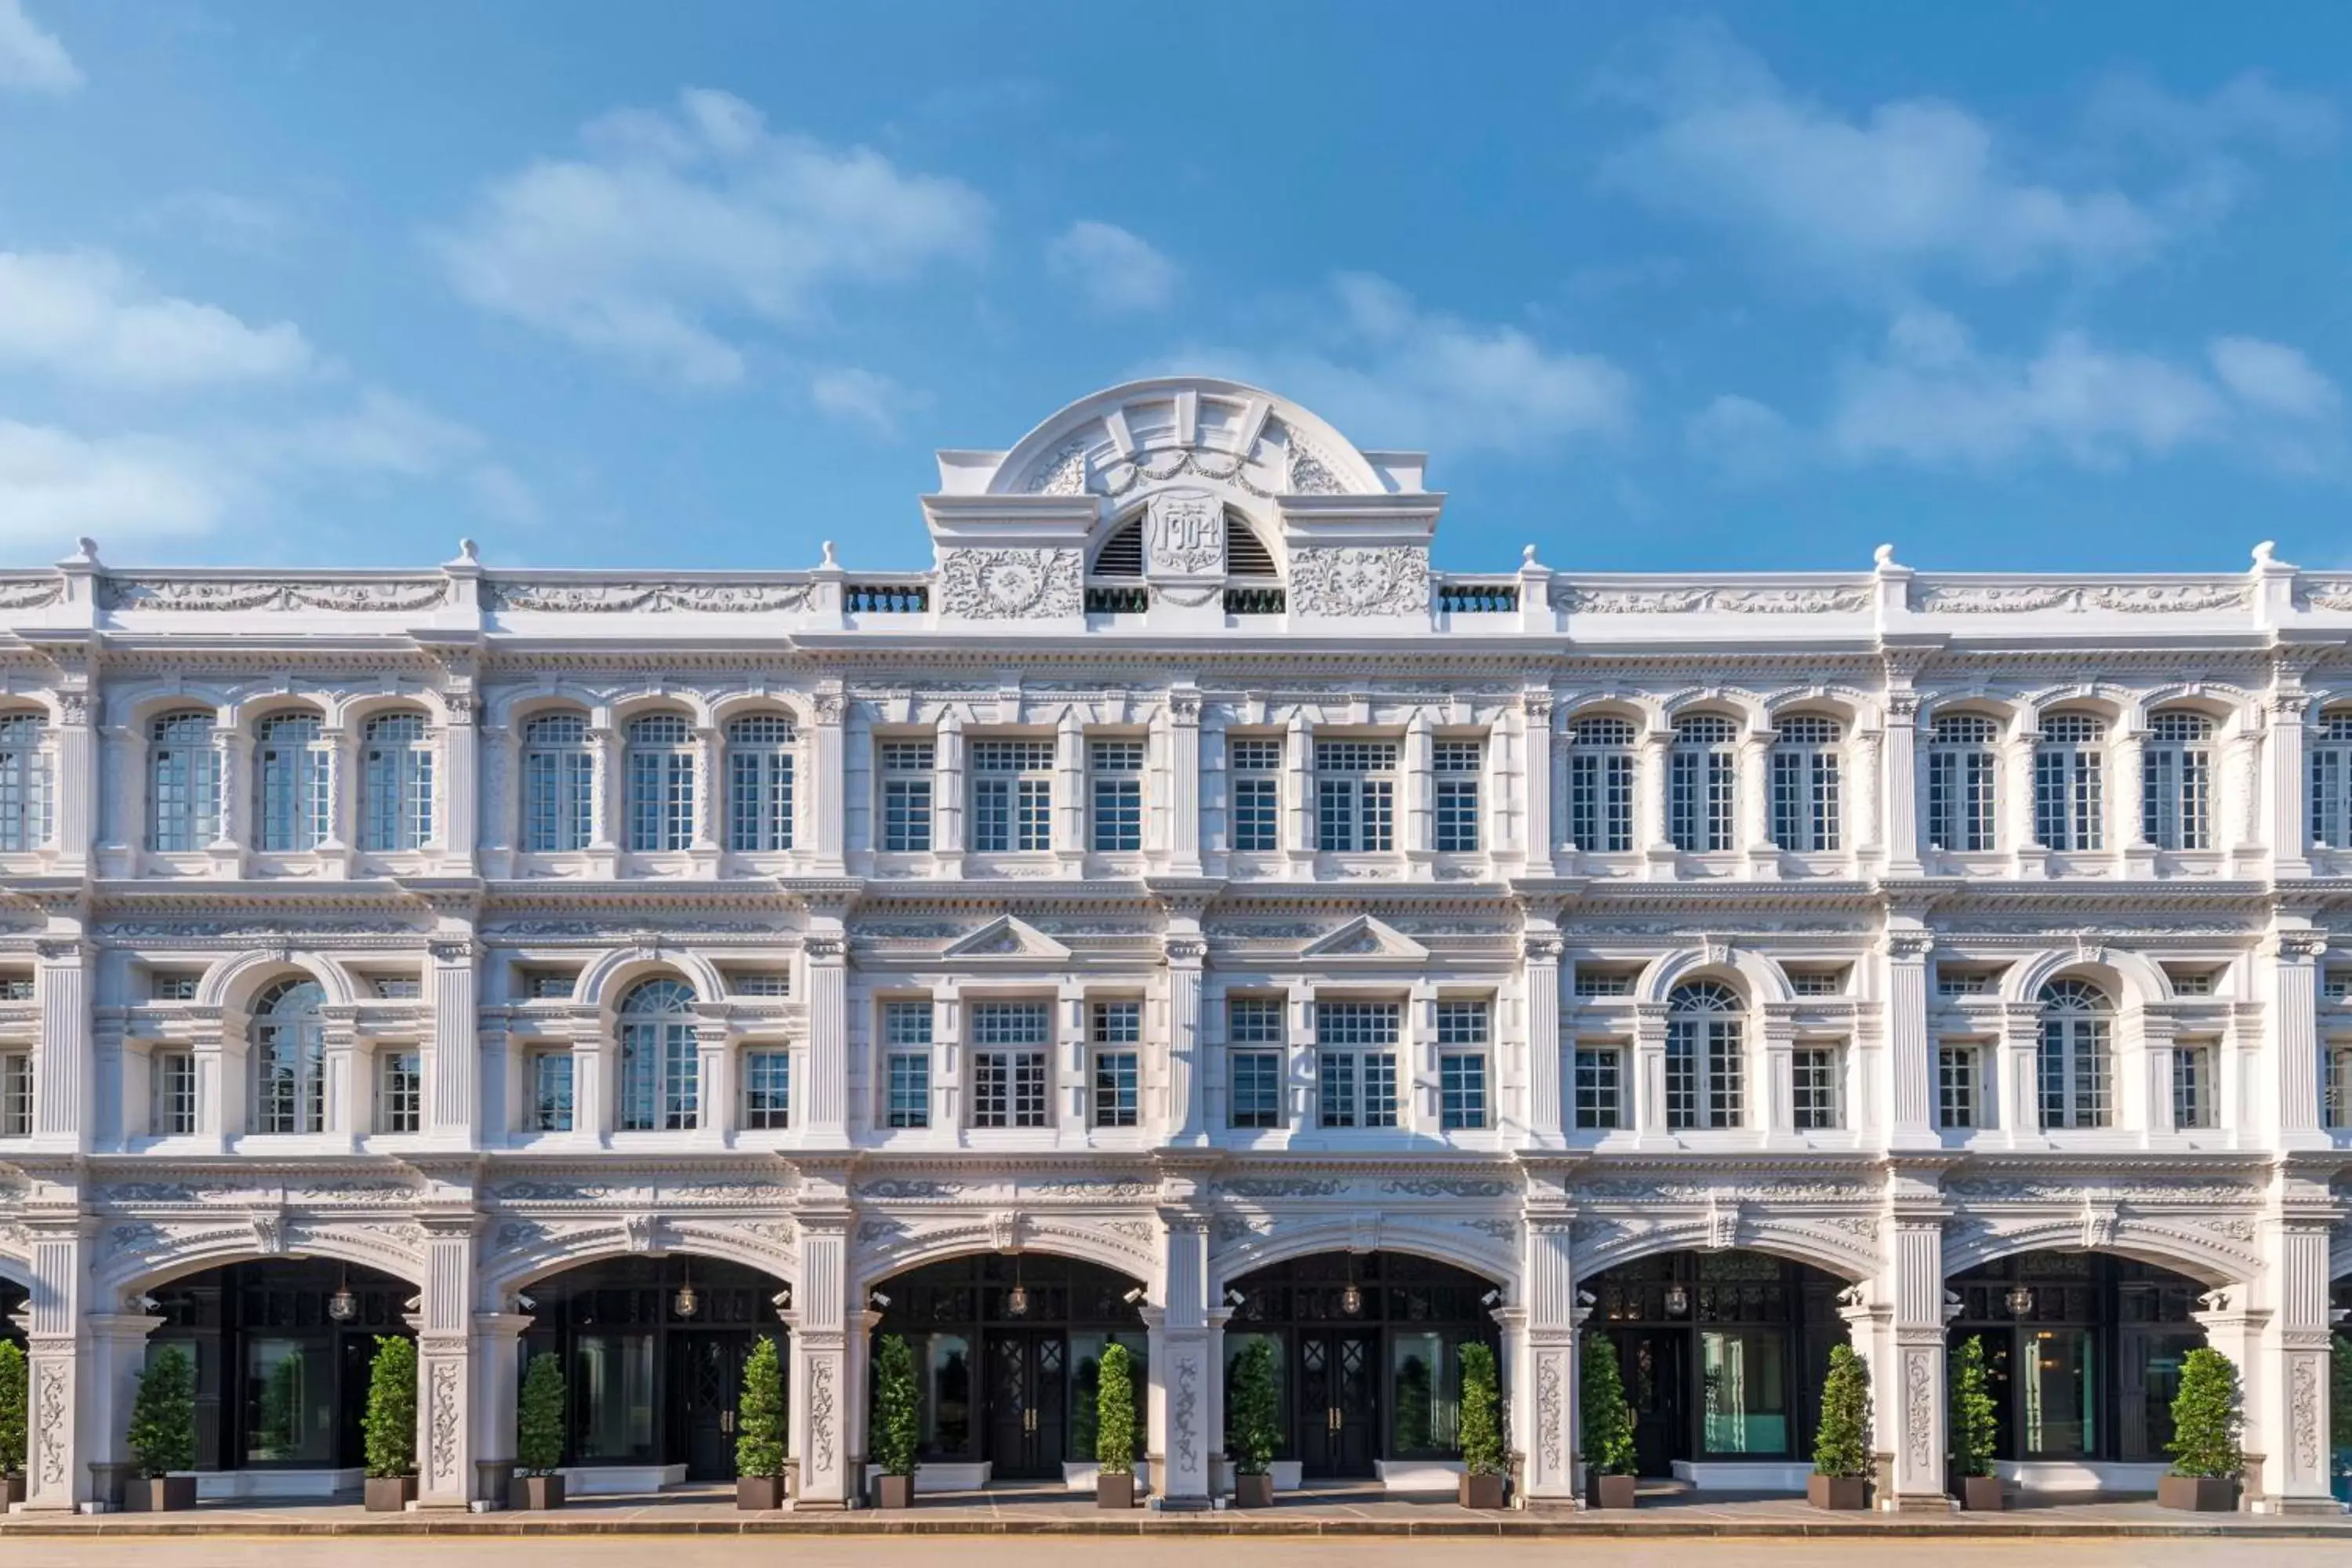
931, 1479
2079, 1475
1744, 1475
229, 1486
1419, 1475
613, 1480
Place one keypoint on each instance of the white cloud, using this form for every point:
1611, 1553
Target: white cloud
56, 485
217, 218
1932, 397
1388, 373
1907, 184
1118, 271
86, 317
675, 228
2248, 108
864, 398
1745, 439
31, 59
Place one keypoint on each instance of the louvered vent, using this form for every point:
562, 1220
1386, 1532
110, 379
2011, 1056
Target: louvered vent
1245, 553
1122, 554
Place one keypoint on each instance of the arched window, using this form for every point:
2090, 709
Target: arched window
23, 781
2077, 1031
660, 1064
661, 783
2067, 793
759, 784
2176, 781
1702, 788
1963, 782
559, 784
2331, 780
1805, 783
293, 783
1705, 1057
1245, 553
289, 1059
1600, 784
396, 789
183, 783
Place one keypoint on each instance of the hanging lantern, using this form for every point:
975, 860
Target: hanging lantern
1677, 1300
342, 1306
1351, 1300
1016, 1300
2020, 1301
687, 1302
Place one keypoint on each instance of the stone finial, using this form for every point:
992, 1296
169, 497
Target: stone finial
1527, 557
467, 551
2265, 554
1882, 557
84, 553
829, 564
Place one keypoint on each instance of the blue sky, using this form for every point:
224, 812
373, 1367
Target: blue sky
702, 284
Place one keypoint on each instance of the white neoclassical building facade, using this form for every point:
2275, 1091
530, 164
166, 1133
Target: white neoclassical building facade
1181, 917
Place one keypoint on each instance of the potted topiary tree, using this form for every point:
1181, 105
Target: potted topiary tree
163, 1436
13, 1430
1115, 1430
896, 1436
389, 1425
1482, 1432
1976, 1428
1608, 1421
2207, 1415
760, 1431
1841, 1477
539, 1436
1253, 1418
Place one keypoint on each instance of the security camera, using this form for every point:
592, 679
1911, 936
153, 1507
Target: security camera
1491, 1299
1233, 1297
1586, 1298
782, 1299
880, 1301
416, 1303
1132, 1297
145, 1303
525, 1303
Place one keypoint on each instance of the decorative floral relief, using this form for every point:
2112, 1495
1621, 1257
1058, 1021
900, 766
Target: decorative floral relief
1063, 472
1919, 1415
1688, 601
721, 598
2325, 594
282, 593
2075, 598
30, 592
1361, 580
1159, 468
820, 1413
1010, 585
444, 1420
1308, 474
51, 1413
1548, 1414
1184, 1418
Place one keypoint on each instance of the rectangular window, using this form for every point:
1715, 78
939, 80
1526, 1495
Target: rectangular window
15, 1094
758, 788
1600, 785
1813, 1096
1255, 769
1961, 798
551, 1091
1805, 785
1355, 796
172, 1093
399, 987
767, 1089
18, 988
548, 985
2067, 785
1457, 765
400, 1091
1008, 1063
2192, 1086
759, 982
2335, 985
1705, 1072
1256, 1100
1118, 1029
1011, 796
907, 796
163, 986
1356, 1075
1464, 1031
1594, 981
1955, 1085
1115, 778
1599, 1097
2338, 1093
1819, 981
1951, 981
906, 1042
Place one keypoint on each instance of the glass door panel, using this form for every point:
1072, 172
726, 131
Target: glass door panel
2059, 1388
1744, 1376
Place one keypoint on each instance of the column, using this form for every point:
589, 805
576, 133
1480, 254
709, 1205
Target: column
1538, 762
2287, 832
2238, 1327
1546, 1105
2293, 1362
115, 1352
1543, 1386
948, 796
1182, 1375
1070, 793
715, 1117
1417, 829
1186, 1119
1870, 1326
1774, 1110
824, 1108
2127, 842
710, 798
829, 781
460, 789
1653, 804
1298, 796
1899, 782
1755, 800
236, 817
76, 797
62, 1410
819, 1322
497, 1369
1916, 1404
1910, 1109
344, 1097
1649, 1086
455, 1071
1184, 782
2020, 1044
2292, 967
604, 843
2019, 833
445, 1329
64, 1063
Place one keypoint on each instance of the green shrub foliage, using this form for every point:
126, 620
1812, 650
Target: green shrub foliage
2208, 1416
12, 1408
390, 1424
163, 1436
1481, 1431
1115, 1414
1607, 1417
1976, 1425
538, 1417
760, 1414
896, 1437
1254, 1409
1842, 1444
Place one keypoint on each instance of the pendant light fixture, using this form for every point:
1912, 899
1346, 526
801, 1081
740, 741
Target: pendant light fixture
1016, 1300
1351, 1300
342, 1306
2020, 1301
686, 1301
1677, 1300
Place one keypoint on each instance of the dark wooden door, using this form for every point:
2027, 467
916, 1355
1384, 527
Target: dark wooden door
1028, 1404
1652, 1362
1339, 1405
707, 1370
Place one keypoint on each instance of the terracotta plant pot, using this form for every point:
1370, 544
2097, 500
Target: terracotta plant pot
159, 1494
1845, 1494
1115, 1491
1481, 1492
1253, 1491
759, 1494
894, 1491
1981, 1494
535, 1494
390, 1494
2198, 1494
1616, 1492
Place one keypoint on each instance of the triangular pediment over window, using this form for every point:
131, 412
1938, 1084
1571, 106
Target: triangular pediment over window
1365, 937
1005, 937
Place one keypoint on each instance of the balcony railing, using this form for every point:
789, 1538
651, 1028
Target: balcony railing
886, 598
1255, 602
1478, 598
1127, 600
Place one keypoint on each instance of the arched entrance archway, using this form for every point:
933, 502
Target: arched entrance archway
1721, 1353
1367, 1350
1008, 1353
